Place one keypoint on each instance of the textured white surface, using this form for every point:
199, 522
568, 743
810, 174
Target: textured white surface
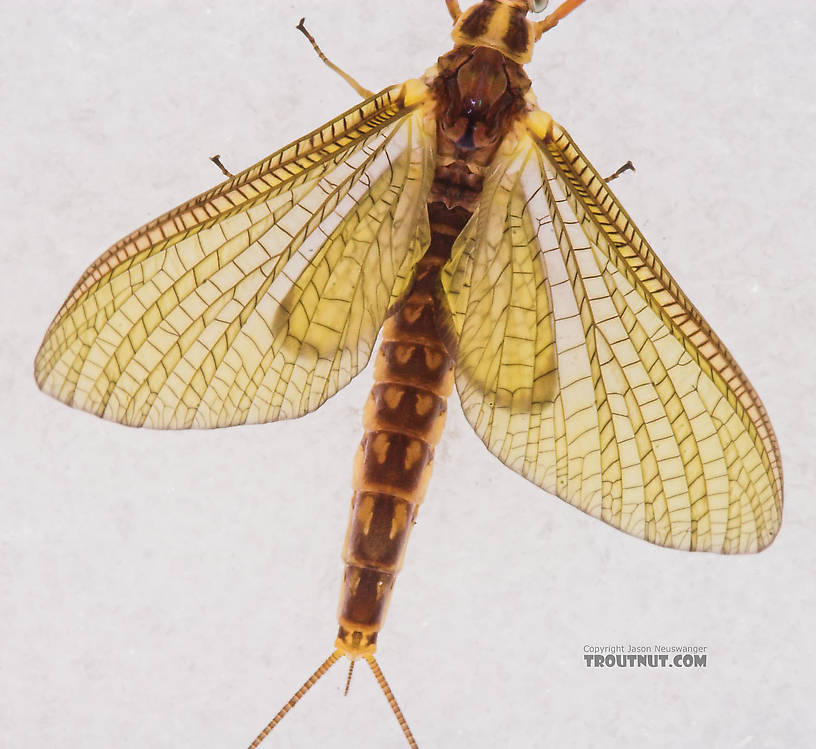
173, 589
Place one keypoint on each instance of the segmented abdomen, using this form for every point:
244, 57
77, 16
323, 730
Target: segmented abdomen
403, 420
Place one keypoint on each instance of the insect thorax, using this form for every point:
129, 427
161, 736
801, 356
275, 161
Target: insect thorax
499, 24
479, 95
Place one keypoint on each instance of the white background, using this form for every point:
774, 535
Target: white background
173, 589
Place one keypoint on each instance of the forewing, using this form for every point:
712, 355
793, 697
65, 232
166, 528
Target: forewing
583, 366
259, 299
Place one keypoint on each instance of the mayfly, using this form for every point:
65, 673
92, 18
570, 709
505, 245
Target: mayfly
459, 218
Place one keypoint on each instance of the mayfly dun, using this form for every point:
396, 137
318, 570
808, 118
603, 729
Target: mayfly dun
456, 217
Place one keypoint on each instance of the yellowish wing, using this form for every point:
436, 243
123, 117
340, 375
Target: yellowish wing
259, 299
583, 366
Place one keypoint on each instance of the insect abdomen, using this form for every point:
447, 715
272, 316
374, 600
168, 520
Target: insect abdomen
403, 418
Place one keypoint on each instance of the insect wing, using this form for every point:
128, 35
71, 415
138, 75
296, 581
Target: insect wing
259, 299
583, 366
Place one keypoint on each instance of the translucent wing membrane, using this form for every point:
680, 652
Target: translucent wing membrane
584, 367
259, 299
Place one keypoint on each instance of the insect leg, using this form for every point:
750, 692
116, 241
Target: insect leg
217, 161
553, 18
364, 92
627, 167
454, 9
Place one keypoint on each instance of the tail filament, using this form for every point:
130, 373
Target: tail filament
348, 678
308, 684
389, 695
320, 672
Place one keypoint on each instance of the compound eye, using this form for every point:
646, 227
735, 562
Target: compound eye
537, 6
